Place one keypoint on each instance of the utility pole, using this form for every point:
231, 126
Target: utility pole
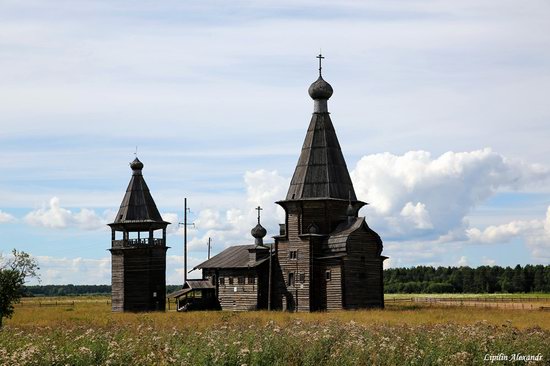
209, 242
269, 278
185, 224
296, 280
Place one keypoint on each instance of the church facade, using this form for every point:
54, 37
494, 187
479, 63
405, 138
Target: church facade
325, 257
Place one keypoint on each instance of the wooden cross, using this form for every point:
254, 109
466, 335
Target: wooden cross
320, 57
258, 209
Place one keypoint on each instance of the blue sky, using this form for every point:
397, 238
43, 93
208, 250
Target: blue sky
440, 107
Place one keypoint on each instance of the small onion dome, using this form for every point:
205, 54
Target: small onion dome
320, 89
350, 211
258, 232
136, 164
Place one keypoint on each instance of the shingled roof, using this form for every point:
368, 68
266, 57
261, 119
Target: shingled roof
191, 285
138, 205
236, 256
321, 171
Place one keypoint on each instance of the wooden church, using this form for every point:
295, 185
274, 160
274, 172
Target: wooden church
325, 257
138, 250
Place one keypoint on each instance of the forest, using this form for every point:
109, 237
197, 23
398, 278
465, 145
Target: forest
484, 279
421, 279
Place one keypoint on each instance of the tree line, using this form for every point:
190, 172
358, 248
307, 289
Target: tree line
422, 279
76, 290
484, 279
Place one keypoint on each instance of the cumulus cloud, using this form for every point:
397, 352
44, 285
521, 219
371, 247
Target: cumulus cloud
535, 233
503, 233
417, 215
417, 203
417, 195
56, 217
77, 271
6, 217
232, 225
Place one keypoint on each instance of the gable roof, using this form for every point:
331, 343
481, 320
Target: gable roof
321, 171
237, 256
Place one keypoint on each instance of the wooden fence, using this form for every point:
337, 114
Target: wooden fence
527, 303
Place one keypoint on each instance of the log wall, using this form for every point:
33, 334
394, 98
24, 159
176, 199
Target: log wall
240, 296
362, 276
139, 279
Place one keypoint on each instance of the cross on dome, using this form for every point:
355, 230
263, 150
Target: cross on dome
320, 57
258, 209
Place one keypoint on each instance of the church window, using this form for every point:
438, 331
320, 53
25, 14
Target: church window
230, 280
222, 280
241, 280
291, 279
293, 254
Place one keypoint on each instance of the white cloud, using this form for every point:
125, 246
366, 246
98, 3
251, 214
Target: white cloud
417, 203
232, 225
174, 268
503, 233
462, 262
89, 271
6, 217
488, 261
418, 215
77, 271
56, 217
445, 188
535, 234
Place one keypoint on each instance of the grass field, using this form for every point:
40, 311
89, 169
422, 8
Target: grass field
88, 333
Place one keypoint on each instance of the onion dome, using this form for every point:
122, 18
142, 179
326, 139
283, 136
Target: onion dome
136, 165
258, 232
320, 89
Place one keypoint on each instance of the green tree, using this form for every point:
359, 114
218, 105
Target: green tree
13, 272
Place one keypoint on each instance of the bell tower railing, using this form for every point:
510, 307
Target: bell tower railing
143, 242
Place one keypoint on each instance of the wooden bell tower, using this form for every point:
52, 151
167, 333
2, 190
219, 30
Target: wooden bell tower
138, 250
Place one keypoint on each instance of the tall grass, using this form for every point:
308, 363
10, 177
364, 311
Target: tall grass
88, 333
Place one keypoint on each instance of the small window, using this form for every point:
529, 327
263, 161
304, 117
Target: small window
302, 277
222, 280
240, 280
251, 280
328, 275
293, 254
230, 280
291, 279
